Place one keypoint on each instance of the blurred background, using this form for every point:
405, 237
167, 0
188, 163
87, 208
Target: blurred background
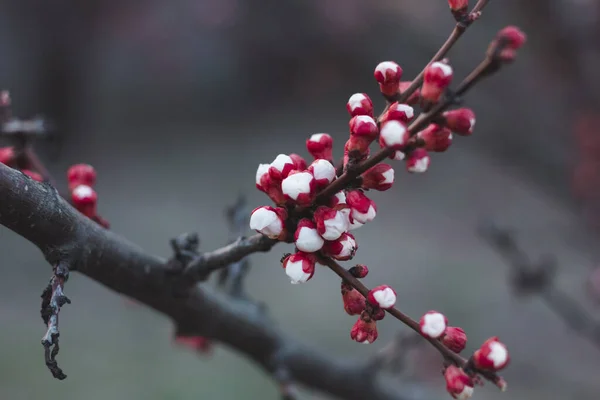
176, 103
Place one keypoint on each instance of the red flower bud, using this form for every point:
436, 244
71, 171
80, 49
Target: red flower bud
299, 267
269, 221
417, 161
323, 172
436, 138
393, 135
398, 112
365, 329
342, 249
262, 171
461, 121
320, 145
331, 223
506, 44
359, 271
455, 339
299, 188
299, 162
491, 356
81, 174
458, 383
388, 74
457, 5
360, 104
382, 296
433, 324
436, 79
362, 208
380, 177
307, 237
281, 167
354, 302
7, 156
84, 199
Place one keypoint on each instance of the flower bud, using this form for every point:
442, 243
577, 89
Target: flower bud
455, 339
491, 356
436, 79
299, 267
307, 238
331, 223
380, 177
433, 324
269, 221
299, 187
393, 135
323, 172
460, 121
388, 74
261, 171
342, 249
320, 145
363, 130
359, 271
81, 174
398, 112
436, 138
7, 156
417, 161
281, 167
458, 383
299, 162
84, 200
360, 104
364, 330
354, 302
382, 296
33, 175
362, 208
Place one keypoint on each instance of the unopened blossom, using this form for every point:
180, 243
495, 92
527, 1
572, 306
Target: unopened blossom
342, 249
356, 150
457, 5
299, 162
261, 171
281, 167
492, 355
460, 121
377, 313
84, 200
362, 208
437, 138
323, 172
81, 174
299, 267
436, 80
270, 221
360, 104
414, 96
388, 74
7, 156
33, 175
398, 112
307, 237
363, 130
417, 161
382, 296
331, 223
365, 329
320, 145
272, 187
433, 324
506, 44
458, 383
359, 271
394, 135
338, 201
354, 302
380, 177
455, 339
299, 187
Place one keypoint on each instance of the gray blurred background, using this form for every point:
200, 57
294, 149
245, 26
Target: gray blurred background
175, 104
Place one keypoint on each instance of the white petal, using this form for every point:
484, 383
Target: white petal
385, 298
393, 133
295, 272
266, 222
309, 240
434, 325
335, 226
297, 184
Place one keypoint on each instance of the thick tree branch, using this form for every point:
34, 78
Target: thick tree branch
65, 237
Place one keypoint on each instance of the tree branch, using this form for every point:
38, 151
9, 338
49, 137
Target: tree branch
65, 237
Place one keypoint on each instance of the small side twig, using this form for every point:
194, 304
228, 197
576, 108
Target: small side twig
53, 298
536, 278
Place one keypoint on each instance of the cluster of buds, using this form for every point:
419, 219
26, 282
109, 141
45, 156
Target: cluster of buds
81, 179
318, 206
